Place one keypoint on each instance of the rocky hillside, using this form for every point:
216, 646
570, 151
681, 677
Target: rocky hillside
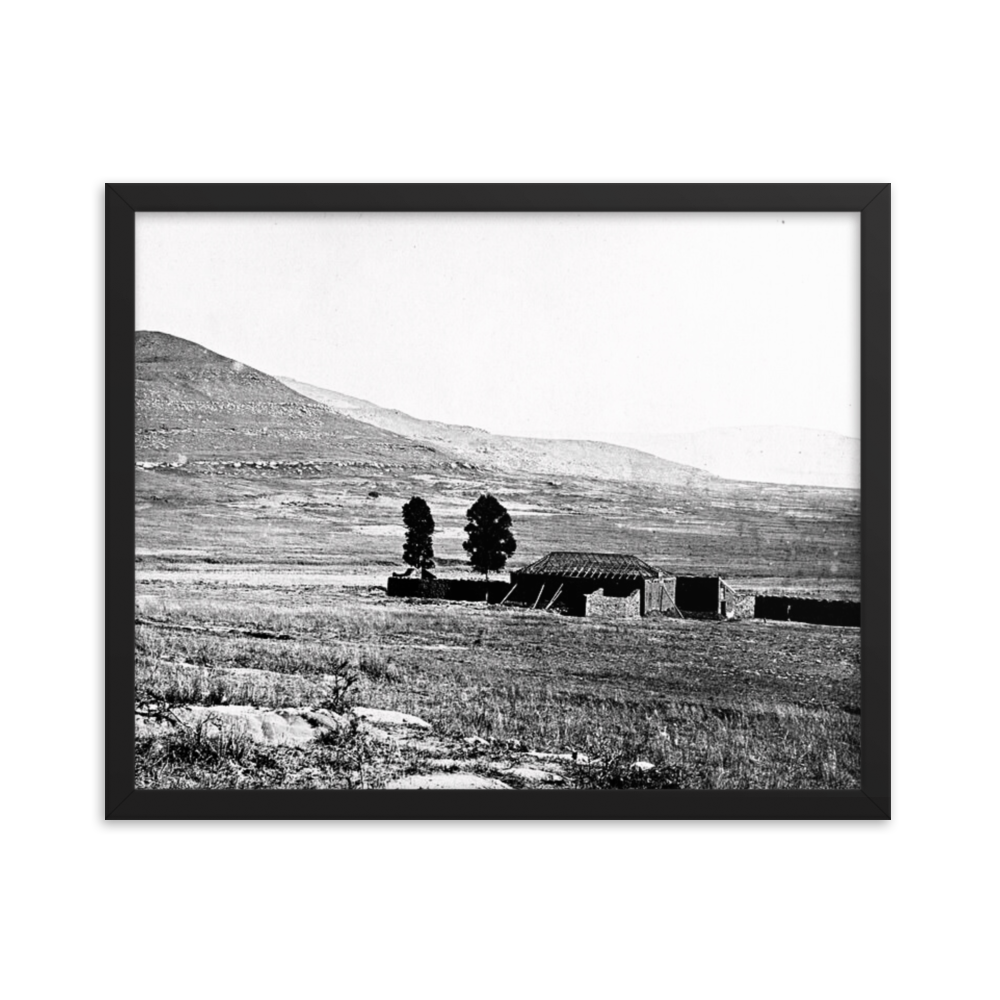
191, 403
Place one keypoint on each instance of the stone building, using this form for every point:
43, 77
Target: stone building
593, 583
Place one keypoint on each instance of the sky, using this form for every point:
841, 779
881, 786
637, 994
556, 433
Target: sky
578, 325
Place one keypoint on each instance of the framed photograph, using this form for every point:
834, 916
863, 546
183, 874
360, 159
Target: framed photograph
498, 501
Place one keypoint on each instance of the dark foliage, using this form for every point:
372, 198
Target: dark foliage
418, 549
490, 542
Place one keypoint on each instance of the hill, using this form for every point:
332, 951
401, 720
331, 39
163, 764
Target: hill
193, 403
540, 456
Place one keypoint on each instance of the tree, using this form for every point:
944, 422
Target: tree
418, 549
490, 541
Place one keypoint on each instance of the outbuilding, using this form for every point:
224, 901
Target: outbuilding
593, 584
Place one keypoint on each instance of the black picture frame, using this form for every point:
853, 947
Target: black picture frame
871, 801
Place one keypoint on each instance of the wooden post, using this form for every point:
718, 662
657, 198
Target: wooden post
538, 598
509, 592
554, 597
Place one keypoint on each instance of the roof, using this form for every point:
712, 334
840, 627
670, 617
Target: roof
590, 566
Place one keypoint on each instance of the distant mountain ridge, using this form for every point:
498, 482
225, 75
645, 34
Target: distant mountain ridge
785, 455
596, 459
788, 455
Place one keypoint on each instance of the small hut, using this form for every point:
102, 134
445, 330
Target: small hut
593, 583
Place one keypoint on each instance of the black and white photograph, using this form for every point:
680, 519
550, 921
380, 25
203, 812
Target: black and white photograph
494, 501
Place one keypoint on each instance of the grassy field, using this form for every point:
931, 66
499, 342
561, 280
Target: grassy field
348, 522
266, 588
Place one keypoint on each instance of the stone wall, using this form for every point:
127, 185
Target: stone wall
601, 606
625, 600
572, 594
447, 590
801, 609
527, 589
738, 604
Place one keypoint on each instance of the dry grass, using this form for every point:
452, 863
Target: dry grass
709, 705
217, 752
242, 603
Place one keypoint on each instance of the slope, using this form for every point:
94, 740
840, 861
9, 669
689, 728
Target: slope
193, 403
593, 459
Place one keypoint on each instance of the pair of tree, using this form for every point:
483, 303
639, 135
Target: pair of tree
490, 542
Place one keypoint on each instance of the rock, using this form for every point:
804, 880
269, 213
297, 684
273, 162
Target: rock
383, 717
579, 758
535, 774
454, 780
643, 765
261, 725
327, 720
284, 725
373, 732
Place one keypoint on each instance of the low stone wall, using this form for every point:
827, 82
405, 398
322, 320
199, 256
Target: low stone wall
741, 607
448, 590
618, 604
737, 604
601, 606
802, 609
